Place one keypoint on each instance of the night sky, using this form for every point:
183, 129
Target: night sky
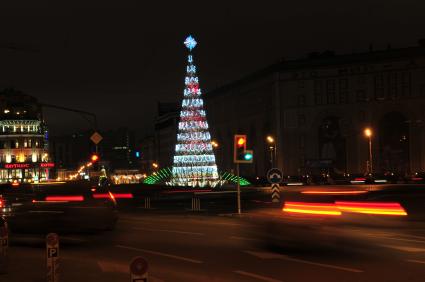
118, 59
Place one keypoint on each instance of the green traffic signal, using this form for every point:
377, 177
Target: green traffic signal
248, 156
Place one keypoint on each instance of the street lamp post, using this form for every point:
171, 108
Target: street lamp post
368, 133
273, 151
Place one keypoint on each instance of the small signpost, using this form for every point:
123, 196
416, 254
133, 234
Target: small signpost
4, 243
139, 270
96, 138
52, 257
275, 176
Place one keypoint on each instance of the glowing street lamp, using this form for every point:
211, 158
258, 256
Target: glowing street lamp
273, 151
368, 133
155, 165
270, 139
214, 144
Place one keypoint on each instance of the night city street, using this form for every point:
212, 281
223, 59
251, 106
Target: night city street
218, 248
183, 245
212, 141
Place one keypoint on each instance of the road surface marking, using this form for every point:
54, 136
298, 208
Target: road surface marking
113, 267
414, 236
259, 277
416, 261
160, 254
406, 240
107, 266
397, 237
169, 231
392, 235
66, 238
267, 255
177, 220
405, 248
243, 238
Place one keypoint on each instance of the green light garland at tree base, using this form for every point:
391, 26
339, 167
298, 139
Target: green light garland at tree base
162, 177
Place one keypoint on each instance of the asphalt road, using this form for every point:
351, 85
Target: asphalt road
215, 248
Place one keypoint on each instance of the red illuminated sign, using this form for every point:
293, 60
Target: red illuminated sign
17, 166
47, 165
31, 165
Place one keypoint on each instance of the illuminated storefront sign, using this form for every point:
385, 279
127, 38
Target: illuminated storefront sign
26, 165
47, 165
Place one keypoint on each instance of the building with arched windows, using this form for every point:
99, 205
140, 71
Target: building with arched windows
317, 109
24, 137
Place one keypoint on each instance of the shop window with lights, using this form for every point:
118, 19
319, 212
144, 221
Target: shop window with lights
14, 144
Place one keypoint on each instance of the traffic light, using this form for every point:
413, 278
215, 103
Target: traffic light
94, 158
240, 153
249, 155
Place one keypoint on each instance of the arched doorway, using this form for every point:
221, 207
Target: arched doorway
332, 144
394, 143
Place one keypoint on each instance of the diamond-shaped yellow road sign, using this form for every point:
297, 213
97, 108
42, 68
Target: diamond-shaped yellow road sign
96, 138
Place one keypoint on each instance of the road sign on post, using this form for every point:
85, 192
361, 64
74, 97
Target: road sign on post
139, 270
275, 177
275, 193
96, 138
52, 257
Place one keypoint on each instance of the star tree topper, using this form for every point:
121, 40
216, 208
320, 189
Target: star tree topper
190, 42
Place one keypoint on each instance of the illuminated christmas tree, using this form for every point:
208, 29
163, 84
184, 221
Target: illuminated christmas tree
194, 160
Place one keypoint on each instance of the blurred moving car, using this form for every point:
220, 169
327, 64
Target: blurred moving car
417, 177
57, 207
323, 217
295, 180
361, 178
339, 179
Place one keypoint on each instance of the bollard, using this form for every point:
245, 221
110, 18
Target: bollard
275, 193
138, 270
52, 257
196, 204
147, 202
4, 243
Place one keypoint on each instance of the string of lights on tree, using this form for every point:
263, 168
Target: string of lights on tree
194, 161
